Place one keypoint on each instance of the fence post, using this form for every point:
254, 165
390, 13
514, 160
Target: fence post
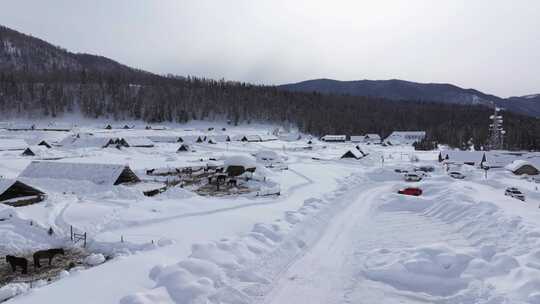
71, 232
84, 240
121, 238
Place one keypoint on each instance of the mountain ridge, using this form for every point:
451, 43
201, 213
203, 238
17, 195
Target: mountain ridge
403, 90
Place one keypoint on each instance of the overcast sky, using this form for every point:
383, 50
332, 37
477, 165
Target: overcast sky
490, 45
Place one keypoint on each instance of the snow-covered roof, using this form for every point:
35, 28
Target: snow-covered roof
374, 136
139, 142
405, 136
74, 142
515, 165
354, 152
334, 137
10, 144
101, 174
357, 138
456, 156
219, 138
5, 184
42, 152
164, 138
267, 137
191, 138
240, 160
253, 138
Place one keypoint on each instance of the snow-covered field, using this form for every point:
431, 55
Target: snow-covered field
337, 233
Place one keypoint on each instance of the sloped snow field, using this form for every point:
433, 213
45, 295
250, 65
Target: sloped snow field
337, 233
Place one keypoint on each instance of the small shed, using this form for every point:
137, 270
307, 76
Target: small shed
268, 137
522, 167
164, 139
183, 148
140, 142
334, 138
357, 138
35, 151
108, 127
251, 138
45, 144
101, 174
219, 138
372, 138
353, 153
16, 193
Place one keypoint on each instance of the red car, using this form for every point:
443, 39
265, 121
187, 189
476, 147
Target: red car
411, 191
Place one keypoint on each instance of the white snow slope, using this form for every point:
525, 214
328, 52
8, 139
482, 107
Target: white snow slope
339, 233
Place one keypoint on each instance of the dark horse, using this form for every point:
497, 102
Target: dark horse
46, 254
16, 261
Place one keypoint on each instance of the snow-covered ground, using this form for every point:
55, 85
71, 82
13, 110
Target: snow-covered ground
337, 233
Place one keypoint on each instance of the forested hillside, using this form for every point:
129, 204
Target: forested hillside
38, 79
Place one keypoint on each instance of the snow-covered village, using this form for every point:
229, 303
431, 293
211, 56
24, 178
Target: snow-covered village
182, 213
205, 152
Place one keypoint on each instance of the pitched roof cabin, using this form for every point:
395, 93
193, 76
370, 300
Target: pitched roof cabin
372, 138
16, 193
38, 151
165, 139
192, 139
357, 138
405, 137
334, 138
472, 158
268, 137
89, 141
101, 174
12, 144
250, 138
139, 142
183, 148
353, 153
522, 167
45, 144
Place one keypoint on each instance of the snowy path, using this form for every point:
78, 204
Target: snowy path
331, 272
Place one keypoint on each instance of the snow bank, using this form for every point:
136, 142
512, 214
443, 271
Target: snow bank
94, 259
11, 290
238, 271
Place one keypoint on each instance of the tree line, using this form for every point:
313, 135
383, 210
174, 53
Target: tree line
152, 98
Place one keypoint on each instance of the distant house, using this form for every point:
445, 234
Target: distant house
405, 137
183, 148
250, 138
45, 144
334, 138
108, 127
211, 141
372, 138
139, 142
88, 141
268, 137
12, 144
268, 158
191, 139
219, 138
353, 153
472, 158
522, 167
16, 193
101, 174
22, 127
41, 152
164, 139
357, 138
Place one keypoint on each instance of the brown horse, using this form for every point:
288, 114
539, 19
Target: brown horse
46, 254
17, 261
